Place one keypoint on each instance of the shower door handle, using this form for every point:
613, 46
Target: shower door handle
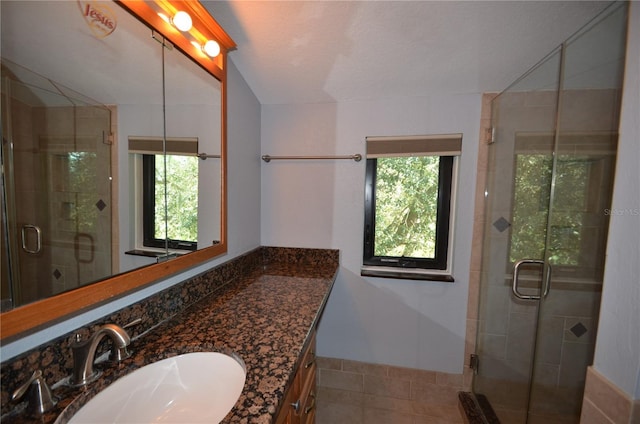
38, 231
516, 273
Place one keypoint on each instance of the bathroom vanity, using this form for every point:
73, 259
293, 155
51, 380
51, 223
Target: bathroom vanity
263, 306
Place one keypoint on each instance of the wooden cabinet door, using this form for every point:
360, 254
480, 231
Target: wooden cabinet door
299, 405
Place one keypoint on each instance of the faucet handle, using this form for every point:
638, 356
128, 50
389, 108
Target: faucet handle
120, 353
39, 394
121, 340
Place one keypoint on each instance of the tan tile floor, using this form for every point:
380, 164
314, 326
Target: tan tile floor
351, 392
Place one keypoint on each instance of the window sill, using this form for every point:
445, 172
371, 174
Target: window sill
147, 253
151, 253
406, 274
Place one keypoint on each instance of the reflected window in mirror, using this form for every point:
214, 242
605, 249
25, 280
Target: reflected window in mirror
166, 185
175, 197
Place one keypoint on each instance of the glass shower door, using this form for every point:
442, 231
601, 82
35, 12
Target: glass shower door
516, 217
56, 188
583, 175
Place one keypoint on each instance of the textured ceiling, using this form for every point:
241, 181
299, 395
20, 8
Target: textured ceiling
292, 52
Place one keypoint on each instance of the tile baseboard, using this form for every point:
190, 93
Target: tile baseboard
605, 402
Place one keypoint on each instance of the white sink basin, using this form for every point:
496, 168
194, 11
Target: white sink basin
191, 388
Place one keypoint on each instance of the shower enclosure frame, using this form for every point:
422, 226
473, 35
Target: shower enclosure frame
525, 380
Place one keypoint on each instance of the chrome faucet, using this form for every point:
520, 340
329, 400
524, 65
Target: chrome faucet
84, 352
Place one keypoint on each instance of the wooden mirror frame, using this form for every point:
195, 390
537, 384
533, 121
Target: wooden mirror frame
34, 316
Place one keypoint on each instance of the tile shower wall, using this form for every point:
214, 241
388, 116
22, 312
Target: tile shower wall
475, 267
566, 349
362, 393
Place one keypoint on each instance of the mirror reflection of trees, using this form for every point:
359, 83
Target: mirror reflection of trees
181, 198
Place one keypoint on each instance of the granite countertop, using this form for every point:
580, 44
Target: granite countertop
265, 316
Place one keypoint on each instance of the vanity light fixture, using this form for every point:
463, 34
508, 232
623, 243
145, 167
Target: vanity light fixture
211, 47
182, 21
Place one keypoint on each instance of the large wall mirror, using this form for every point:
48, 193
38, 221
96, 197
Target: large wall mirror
113, 152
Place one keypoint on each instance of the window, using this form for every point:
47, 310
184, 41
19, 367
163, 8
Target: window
181, 224
168, 187
409, 190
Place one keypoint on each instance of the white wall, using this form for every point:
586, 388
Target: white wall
416, 324
243, 170
243, 204
617, 355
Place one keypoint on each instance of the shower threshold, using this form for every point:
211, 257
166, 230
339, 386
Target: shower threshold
476, 409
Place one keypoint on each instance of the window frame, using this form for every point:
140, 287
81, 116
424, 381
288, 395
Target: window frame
439, 262
437, 268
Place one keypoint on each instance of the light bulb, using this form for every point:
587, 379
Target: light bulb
182, 21
211, 48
